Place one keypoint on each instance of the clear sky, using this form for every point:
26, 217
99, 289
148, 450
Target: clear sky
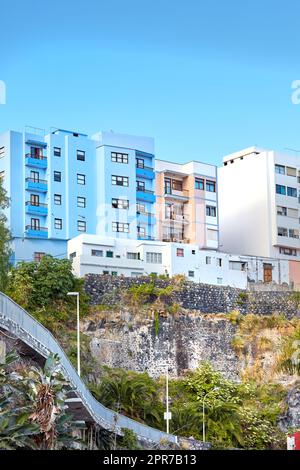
205, 78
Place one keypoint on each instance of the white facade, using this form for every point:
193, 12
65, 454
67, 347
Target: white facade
259, 204
130, 258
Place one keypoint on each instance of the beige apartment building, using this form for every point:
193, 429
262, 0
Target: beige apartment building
187, 203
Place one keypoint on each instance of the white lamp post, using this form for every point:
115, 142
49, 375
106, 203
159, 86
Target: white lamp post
203, 412
76, 294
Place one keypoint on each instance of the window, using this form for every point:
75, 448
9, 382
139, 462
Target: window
280, 169
291, 171
2, 175
293, 233
34, 200
57, 199
119, 180
120, 227
81, 201
291, 191
140, 185
281, 210
2, 152
140, 208
72, 255
193, 252
80, 179
35, 224
141, 231
292, 213
57, 151
105, 273
154, 258
58, 224
199, 183
35, 176
280, 189
114, 273
38, 256
282, 232
236, 265
211, 186
140, 163
219, 280
131, 255
219, 262
177, 185
180, 252
109, 254
212, 235
119, 157
191, 274
80, 155
208, 260
120, 203
211, 211
57, 176
81, 226
287, 251
96, 252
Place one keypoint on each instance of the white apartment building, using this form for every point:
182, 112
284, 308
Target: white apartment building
92, 254
259, 209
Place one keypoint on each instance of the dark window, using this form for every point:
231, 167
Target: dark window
57, 199
280, 169
191, 273
35, 224
35, 176
280, 189
211, 186
80, 179
119, 180
109, 254
140, 163
81, 155
81, 226
211, 211
57, 151
199, 183
140, 186
34, 200
57, 176
120, 203
81, 201
177, 185
119, 157
97, 253
72, 255
120, 227
141, 231
193, 252
291, 191
180, 252
58, 224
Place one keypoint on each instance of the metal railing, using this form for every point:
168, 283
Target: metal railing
144, 167
143, 190
35, 180
37, 157
37, 228
35, 204
17, 321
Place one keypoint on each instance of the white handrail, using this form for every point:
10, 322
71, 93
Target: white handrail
17, 321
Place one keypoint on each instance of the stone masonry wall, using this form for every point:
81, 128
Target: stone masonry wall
201, 297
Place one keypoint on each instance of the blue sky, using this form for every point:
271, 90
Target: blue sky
205, 78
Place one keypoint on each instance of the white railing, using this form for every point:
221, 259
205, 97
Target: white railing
17, 321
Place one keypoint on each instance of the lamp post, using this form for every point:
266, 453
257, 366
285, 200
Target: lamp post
203, 412
76, 294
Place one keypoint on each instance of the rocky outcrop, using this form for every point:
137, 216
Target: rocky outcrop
291, 419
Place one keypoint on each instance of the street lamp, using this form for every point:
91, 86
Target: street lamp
76, 294
203, 412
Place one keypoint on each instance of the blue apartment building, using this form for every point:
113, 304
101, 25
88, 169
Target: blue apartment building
65, 183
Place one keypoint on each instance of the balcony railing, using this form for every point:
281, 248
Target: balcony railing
177, 218
34, 180
36, 157
143, 190
36, 204
144, 167
176, 192
36, 228
176, 239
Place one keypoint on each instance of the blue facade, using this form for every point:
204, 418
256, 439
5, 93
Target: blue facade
66, 183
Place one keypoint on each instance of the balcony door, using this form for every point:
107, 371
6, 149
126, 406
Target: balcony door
35, 176
35, 224
34, 200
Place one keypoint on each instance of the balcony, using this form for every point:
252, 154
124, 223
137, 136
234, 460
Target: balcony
176, 218
145, 237
145, 195
145, 172
36, 208
176, 194
33, 184
36, 232
36, 161
146, 218
175, 239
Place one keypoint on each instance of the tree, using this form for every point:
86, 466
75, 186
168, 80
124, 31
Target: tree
5, 238
42, 287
